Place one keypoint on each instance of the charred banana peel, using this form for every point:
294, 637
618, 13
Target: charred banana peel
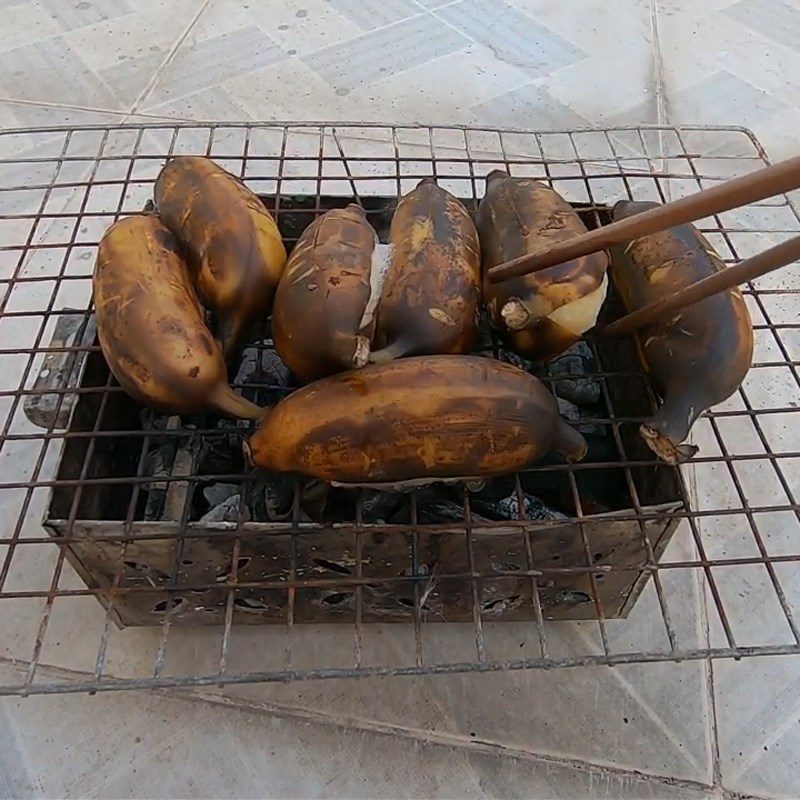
151, 327
542, 314
700, 357
430, 299
415, 420
323, 317
231, 241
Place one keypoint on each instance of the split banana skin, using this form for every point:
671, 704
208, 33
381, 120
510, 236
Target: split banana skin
380, 334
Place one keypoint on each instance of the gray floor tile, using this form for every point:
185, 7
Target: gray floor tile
168, 744
385, 52
288, 89
529, 107
721, 99
70, 15
153, 29
215, 103
25, 23
304, 28
204, 65
648, 718
774, 19
512, 36
51, 71
371, 14
33, 115
757, 701
435, 91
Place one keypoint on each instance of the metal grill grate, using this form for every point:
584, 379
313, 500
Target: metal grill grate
60, 189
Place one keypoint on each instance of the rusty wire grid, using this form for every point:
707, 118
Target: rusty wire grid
94, 581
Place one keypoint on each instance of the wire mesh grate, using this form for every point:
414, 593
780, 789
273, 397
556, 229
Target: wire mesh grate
129, 584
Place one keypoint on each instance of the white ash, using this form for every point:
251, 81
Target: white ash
508, 508
219, 492
227, 511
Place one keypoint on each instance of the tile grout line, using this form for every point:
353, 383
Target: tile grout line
662, 118
431, 10
29, 771
492, 49
362, 33
68, 106
366, 725
708, 664
776, 735
444, 739
713, 722
662, 115
119, 112
151, 84
659, 722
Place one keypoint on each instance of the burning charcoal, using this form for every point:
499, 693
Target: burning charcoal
484, 341
219, 492
60, 370
235, 428
572, 414
226, 511
485, 346
508, 508
497, 488
570, 372
158, 465
177, 493
378, 506
519, 361
441, 510
221, 454
445, 511
262, 366
217, 457
155, 424
314, 499
279, 497
159, 461
273, 498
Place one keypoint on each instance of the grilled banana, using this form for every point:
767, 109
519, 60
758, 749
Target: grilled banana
700, 357
150, 324
323, 318
431, 295
415, 420
232, 243
542, 314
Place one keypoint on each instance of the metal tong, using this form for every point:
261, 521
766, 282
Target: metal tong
759, 185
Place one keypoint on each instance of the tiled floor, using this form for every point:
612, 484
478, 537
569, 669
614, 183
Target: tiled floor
636, 731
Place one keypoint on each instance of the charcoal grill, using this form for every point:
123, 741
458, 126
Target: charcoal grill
83, 547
